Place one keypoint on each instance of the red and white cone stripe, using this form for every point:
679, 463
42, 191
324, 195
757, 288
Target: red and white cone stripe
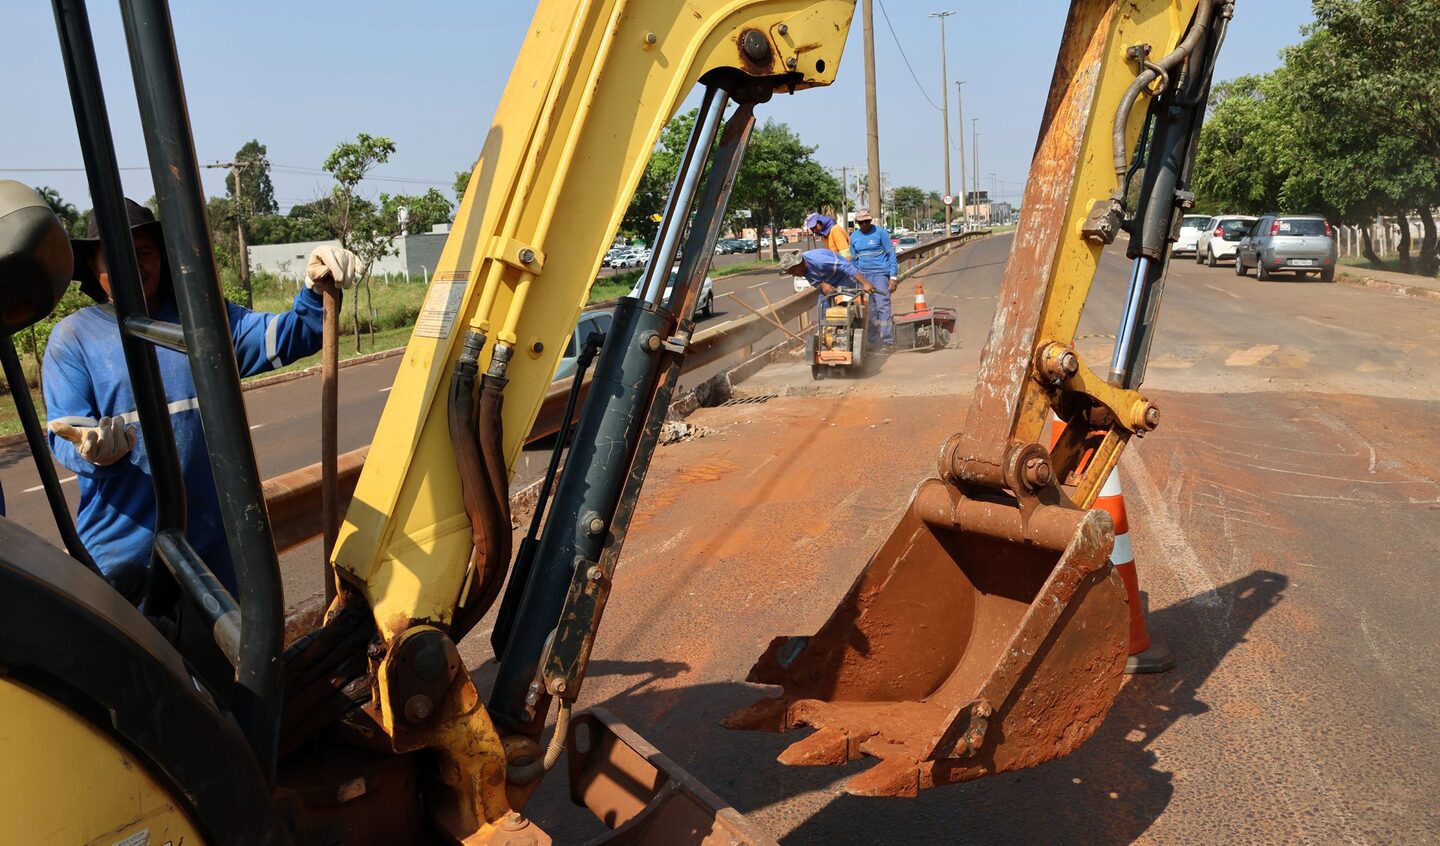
1112, 500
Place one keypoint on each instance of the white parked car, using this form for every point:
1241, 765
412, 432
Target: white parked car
1190, 228
704, 303
1222, 235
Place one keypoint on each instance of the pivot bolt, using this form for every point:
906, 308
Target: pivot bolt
1037, 472
650, 38
784, 29
594, 574
559, 686
514, 821
791, 63
650, 341
1070, 363
527, 255
418, 708
594, 524
1152, 417
756, 48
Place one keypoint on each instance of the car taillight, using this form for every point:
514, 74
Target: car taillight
1275, 228
1327, 229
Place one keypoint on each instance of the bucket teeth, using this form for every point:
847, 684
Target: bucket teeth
826, 747
889, 777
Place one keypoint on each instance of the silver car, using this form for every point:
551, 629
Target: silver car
1222, 235
1299, 244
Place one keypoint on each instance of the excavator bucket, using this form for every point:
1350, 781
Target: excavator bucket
979, 639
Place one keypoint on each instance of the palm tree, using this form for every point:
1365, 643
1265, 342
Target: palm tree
68, 214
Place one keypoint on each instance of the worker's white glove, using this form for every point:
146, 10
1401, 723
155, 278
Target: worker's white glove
102, 444
329, 263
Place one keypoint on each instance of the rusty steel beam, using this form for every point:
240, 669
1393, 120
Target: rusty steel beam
294, 499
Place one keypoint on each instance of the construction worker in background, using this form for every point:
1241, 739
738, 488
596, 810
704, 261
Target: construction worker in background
832, 236
874, 255
92, 413
826, 271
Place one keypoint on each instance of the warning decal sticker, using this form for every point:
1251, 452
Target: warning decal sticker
442, 303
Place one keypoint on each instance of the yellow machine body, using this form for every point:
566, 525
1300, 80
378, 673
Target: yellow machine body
76, 785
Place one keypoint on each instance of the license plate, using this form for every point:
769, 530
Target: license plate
1303, 262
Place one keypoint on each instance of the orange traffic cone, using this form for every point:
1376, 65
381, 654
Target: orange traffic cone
920, 304
1147, 655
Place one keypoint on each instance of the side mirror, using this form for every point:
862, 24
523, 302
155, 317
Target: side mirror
36, 262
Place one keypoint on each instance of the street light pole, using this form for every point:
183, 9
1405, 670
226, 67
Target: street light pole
872, 119
975, 151
945, 111
960, 122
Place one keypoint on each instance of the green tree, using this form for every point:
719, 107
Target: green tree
462, 184
422, 211
780, 180
907, 203
353, 220
68, 214
257, 193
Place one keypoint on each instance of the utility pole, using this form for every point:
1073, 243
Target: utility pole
994, 195
235, 168
975, 150
872, 118
845, 197
945, 112
960, 107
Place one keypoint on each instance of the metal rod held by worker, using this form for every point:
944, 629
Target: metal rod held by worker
329, 432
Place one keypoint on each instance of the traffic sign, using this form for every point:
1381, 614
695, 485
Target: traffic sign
947, 199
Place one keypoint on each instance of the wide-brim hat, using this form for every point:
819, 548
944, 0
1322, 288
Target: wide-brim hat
140, 218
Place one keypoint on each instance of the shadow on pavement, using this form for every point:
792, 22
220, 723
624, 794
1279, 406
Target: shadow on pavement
1109, 792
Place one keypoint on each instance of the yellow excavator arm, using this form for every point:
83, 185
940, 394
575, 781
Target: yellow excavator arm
593, 86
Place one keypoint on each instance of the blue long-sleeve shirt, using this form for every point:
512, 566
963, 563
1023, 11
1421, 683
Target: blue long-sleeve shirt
873, 253
827, 267
85, 378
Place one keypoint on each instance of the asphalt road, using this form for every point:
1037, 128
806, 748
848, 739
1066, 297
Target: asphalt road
1285, 525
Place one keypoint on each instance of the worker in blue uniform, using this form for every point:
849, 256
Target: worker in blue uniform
874, 254
826, 271
92, 418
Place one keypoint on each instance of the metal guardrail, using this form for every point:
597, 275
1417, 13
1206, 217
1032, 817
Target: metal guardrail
293, 499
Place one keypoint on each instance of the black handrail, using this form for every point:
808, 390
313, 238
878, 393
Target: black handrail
102, 172
204, 314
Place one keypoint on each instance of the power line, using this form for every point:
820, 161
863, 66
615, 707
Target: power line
293, 170
906, 58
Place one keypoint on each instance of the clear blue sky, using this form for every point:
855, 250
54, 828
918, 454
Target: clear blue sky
303, 76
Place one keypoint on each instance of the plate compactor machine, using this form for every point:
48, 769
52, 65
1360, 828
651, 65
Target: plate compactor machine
987, 633
838, 345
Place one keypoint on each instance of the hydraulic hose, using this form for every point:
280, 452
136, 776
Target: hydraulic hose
1151, 72
531, 770
462, 413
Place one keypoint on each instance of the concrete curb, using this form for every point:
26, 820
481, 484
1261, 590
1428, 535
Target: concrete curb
1359, 281
280, 378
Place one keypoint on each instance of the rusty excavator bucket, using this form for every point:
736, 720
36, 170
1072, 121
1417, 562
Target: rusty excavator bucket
979, 639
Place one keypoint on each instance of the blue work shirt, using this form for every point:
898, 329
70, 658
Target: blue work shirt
827, 267
874, 254
85, 378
